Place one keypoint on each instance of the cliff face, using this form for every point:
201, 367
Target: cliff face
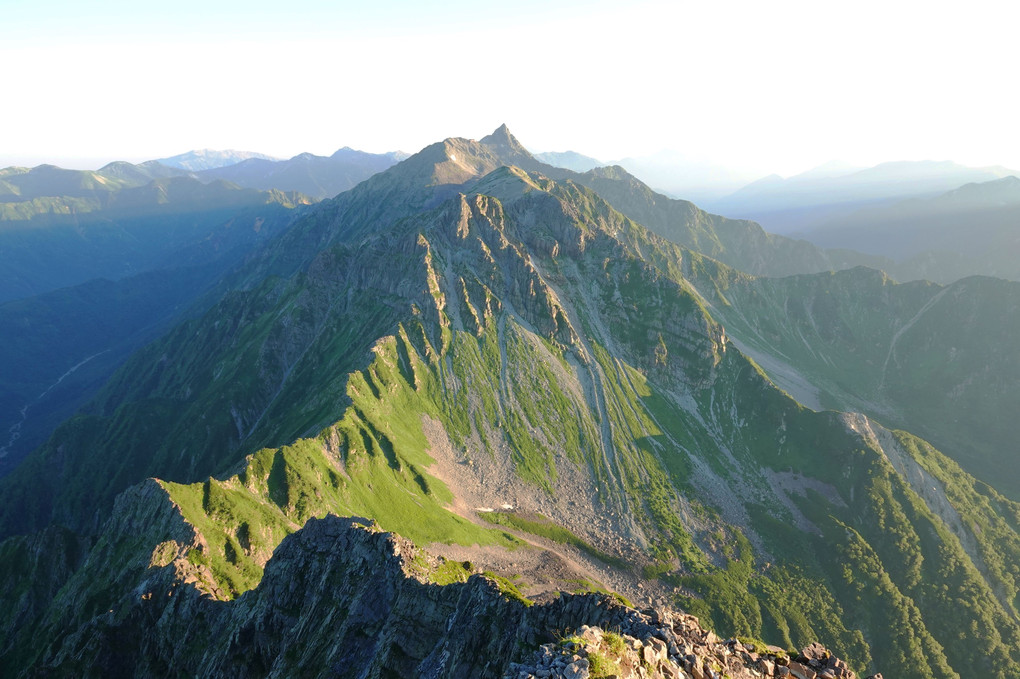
341, 598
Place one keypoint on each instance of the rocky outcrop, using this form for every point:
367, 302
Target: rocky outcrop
660, 645
341, 598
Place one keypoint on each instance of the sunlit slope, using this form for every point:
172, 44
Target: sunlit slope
529, 329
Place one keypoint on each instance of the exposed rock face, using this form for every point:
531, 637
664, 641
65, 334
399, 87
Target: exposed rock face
343, 599
659, 645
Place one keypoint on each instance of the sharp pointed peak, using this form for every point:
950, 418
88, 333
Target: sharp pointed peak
501, 131
502, 136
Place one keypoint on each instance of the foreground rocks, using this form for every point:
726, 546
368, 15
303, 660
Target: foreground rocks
657, 645
341, 598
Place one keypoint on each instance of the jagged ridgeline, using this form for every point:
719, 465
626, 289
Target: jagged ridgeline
457, 335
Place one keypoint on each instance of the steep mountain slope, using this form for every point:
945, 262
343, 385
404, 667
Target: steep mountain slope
442, 169
513, 342
741, 244
62, 346
434, 174
925, 357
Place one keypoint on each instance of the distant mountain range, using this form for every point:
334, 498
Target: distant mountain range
209, 159
570, 160
684, 177
670, 172
22, 184
974, 229
316, 176
805, 201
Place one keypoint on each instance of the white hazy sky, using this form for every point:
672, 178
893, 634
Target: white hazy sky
772, 86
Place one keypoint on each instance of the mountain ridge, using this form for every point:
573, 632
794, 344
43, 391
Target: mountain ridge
514, 339
316, 176
208, 159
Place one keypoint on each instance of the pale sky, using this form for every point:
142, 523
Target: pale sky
772, 86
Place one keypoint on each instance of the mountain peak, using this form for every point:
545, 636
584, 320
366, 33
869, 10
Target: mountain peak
455, 161
501, 132
502, 140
